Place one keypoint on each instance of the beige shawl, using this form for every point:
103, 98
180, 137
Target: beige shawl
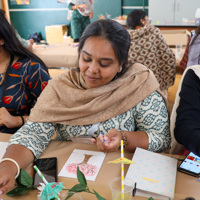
67, 99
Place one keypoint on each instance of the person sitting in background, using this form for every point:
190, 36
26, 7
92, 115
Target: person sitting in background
149, 48
82, 13
104, 91
185, 117
26, 43
23, 76
194, 50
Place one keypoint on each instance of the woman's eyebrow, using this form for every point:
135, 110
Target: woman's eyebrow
86, 53
109, 59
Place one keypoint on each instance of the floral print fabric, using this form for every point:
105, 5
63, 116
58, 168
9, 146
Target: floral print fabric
25, 81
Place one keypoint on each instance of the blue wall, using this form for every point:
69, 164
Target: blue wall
28, 19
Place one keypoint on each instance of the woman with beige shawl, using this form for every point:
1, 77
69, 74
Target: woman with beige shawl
102, 94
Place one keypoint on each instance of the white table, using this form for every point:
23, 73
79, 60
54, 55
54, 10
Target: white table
186, 185
60, 55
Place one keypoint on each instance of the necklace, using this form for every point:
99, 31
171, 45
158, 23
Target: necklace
3, 74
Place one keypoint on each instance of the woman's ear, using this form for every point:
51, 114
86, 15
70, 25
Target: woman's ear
120, 69
142, 21
1, 42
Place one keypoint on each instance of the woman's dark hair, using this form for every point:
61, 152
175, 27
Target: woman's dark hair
115, 33
11, 42
134, 18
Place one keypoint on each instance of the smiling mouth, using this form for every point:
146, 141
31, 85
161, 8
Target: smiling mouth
92, 78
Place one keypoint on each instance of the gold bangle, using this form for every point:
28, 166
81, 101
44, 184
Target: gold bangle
124, 138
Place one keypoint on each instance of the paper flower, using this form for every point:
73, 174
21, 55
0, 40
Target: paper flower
50, 190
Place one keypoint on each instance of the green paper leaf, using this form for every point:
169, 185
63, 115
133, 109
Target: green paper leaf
150, 198
81, 177
78, 188
24, 179
20, 190
69, 195
98, 196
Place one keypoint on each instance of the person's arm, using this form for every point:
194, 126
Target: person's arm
71, 6
8, 169
24, 146
37, 78
152, 118
152, 128
9, 120
30, 44
187, 126
91, 14
26, 43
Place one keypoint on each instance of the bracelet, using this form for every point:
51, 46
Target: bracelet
124, 138
13, 161
22, 119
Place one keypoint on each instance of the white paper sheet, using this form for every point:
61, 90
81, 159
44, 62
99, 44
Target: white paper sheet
155, 174
90, 169
3, 146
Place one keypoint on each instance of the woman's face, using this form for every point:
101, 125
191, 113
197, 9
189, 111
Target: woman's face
98, 63
145, 21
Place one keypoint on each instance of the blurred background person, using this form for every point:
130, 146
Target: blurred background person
26, 43
149, 48
82, 13
194, 49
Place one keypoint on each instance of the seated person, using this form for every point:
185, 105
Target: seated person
185, 126
103, 89
23, 76
81, 15
149, 48
26, 43
194, 49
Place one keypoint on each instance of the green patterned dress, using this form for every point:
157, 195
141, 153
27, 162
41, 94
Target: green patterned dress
150, 116
78, 23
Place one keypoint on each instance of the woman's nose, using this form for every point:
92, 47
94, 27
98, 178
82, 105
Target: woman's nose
93, 68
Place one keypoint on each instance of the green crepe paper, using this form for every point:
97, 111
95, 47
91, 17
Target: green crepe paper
51, 190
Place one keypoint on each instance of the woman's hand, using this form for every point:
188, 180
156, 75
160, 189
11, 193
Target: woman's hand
8, 120
91, 15
82, 6
8, 172
110, 142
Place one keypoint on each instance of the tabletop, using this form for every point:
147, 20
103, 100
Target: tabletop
60, 55
186, 185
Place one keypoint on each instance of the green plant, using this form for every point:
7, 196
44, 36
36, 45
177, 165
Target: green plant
82, 186
25, 183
